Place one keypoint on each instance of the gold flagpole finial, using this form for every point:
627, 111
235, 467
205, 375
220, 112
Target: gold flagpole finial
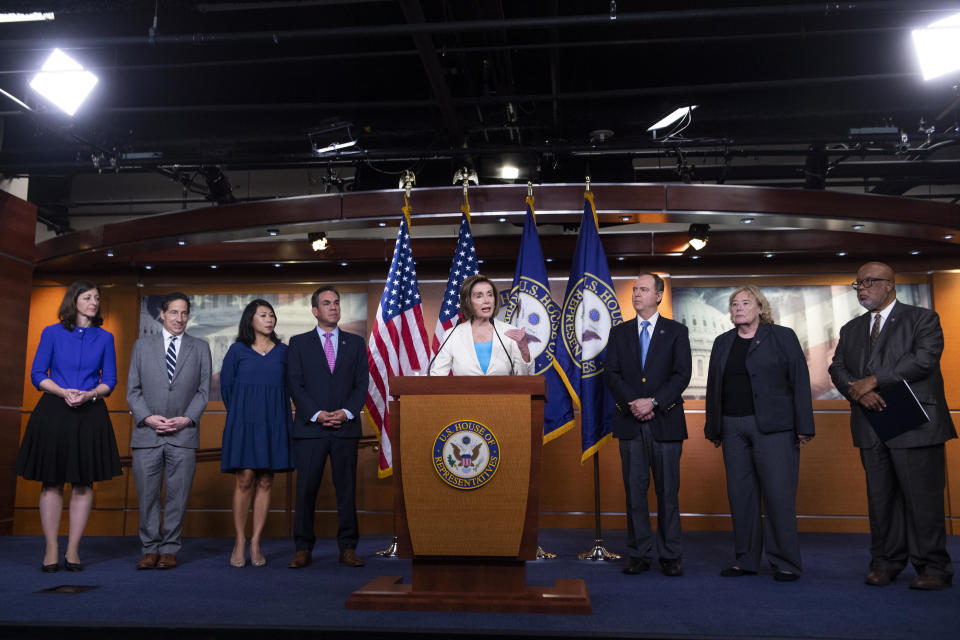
588, 183
407, 180
529, 188
465, 176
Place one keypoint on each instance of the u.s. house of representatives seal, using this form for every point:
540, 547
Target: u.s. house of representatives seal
466, 454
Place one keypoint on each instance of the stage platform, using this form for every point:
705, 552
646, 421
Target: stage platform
206, 598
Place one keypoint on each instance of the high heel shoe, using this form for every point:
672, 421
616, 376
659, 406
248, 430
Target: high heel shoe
50, 568
238, 564
255, 561
72, 566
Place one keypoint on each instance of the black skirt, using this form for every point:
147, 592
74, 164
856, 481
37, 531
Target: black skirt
68, 444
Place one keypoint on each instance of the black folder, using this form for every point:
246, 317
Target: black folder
902, 413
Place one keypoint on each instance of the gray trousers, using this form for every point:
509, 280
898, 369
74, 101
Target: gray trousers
150, 467
905, 497
638, 458
762, 468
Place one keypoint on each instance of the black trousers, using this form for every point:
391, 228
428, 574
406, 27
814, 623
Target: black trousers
311, 456
905, 496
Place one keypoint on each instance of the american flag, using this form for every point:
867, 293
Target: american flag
464, 265
398, 342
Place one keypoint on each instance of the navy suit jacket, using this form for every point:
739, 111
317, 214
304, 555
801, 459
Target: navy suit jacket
664, 377
908, 348
314, 388
778, 376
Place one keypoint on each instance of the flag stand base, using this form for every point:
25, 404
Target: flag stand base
598, 552
390, 551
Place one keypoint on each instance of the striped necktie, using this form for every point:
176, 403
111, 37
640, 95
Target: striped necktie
171, 358
875, 333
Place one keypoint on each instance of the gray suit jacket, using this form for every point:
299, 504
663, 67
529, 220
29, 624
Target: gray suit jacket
149, 392
908, 348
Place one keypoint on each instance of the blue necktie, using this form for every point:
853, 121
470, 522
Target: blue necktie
644, 342
171, 358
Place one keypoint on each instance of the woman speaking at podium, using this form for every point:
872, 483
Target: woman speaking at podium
479, 344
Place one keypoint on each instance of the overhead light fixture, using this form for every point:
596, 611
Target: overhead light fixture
147, 267
620, 258
746, 220
501, 219
381, 224
36, 16
548, 259
336, 146
915, 252
625, 218
699, 235
273, 232
768, 255
181, 242
948, 236
213, 266
695, 257
318, 241
64, 82
343, 264
841, 253
509, 172
856, 227
938, 47
676, 116
276, 264
110, 253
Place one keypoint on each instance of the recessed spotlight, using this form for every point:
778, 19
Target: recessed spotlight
501, 219
915, 252
768, 255
548, 259
620, 258
508, 172
147, 267
181, 242
695, 257
856, 227
276, 264
625, 218
213, 266
318, 241
343, 264
273, 232
479, 260
381, 224
110, 253
746, 220
841, 253
948, 236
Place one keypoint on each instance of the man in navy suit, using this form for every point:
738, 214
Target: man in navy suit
648, 366
327, 378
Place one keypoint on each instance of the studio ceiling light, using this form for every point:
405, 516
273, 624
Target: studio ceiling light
699, 235
318, 241
335, 146
509, 172
36, 16
938, 47
64, 82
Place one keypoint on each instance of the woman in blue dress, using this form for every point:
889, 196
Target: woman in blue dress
69, 437
256, 437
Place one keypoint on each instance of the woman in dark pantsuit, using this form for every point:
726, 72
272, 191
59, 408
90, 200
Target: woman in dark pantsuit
759, 409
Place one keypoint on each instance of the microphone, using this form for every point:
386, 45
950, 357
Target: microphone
509, 359
443, 344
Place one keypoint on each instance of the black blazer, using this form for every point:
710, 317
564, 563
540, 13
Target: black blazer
909, 348
314, 388
665, 376
779, 378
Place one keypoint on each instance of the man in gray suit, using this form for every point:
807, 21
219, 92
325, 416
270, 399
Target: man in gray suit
907, 473
167, 391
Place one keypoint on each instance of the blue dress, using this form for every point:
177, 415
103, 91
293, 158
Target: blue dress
254, 390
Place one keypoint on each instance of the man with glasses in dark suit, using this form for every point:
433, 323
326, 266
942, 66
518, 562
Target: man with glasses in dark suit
907, 473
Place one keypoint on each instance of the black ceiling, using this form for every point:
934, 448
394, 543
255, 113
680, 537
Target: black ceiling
432, 85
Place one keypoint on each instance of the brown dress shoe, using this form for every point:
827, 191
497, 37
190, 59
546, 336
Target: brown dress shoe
878, 578
167, 561
927, 582
349, 557
300, 559
148, 561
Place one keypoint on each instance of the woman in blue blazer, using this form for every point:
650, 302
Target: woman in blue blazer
759, 409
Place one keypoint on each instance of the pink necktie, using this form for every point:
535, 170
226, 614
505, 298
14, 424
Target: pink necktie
328, 350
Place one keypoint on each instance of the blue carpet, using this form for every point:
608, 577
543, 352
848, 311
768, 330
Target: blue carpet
830, 601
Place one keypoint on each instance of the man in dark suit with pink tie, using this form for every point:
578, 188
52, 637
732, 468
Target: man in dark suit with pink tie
648, 366
906, 474
327, 378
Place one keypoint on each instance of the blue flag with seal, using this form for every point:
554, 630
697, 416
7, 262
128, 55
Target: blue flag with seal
531, 306
590, 309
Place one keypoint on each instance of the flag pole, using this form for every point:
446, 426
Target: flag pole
407, 180
597, 552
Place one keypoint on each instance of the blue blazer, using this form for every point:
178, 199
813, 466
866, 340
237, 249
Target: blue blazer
664, 377
778, 376
314, 388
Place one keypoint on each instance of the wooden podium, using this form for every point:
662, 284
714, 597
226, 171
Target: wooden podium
466, 472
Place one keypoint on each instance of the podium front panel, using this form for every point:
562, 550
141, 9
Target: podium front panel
446, 517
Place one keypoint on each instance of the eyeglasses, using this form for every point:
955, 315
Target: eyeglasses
866, 283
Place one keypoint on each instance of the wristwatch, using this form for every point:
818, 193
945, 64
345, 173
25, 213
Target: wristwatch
654, 402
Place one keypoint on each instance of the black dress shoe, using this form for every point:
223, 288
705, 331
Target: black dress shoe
736, 572
72, 566
786, 576
635, 566
879, 578
927, 582
50, 568
671, 567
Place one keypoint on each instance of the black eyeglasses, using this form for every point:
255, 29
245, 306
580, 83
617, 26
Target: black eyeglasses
866, 283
